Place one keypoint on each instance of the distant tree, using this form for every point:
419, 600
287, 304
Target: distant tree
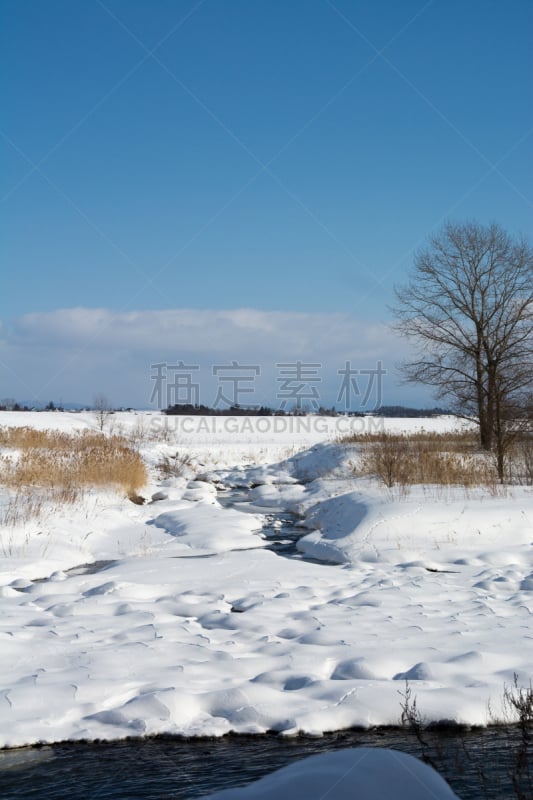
9, 404
468, 308
102, 410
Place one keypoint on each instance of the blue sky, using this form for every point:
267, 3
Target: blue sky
221, 155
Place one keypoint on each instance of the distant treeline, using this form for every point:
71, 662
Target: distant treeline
405, 411
12, 405
187, 409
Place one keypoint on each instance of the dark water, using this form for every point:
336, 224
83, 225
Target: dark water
279, 528
165, 769
281, 533
90, 569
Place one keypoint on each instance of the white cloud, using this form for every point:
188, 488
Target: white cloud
74, 353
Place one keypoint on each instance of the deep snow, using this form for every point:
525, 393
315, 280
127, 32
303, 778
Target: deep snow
194, 628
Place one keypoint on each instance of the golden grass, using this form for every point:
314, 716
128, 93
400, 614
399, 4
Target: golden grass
450, 441
50, 466
445, 459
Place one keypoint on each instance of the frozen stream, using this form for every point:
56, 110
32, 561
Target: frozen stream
280, 528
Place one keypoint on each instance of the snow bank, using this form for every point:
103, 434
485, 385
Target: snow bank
422, 528
362, 773
210, 528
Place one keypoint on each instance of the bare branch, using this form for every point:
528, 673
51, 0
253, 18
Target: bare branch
468, 306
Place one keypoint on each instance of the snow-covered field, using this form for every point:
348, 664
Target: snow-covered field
193, 627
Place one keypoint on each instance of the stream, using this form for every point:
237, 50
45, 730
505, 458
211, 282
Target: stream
280, 528
177, 769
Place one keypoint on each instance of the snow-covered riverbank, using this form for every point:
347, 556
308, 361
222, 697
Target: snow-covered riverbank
194, 628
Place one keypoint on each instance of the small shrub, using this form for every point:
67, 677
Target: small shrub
137, 435
518, 710
174, 466
515, 731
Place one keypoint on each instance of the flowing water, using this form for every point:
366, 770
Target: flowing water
178, 769
280, 528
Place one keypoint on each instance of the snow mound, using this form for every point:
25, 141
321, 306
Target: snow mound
211, 528
361, 773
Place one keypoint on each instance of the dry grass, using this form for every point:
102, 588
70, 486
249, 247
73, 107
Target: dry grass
21, 507
520, 460
156, 429
514, 727
174, 466
452, 441
40, 467
447, 459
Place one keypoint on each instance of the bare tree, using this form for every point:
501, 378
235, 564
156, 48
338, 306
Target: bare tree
102, 410
9, 404
468, 309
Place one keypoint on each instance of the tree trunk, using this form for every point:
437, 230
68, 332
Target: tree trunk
483, 405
